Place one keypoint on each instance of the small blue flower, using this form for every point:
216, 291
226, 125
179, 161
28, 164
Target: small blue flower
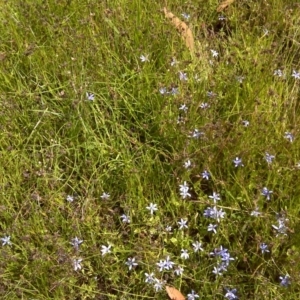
125, 218
205, 175
285, 280
174, 91
196, 134
131, 263
183, 76
184, 108
90, 96
264, 248
231, 294
267, 193
75, 242
281, 228
150, 278
269, 158
192, 296
238, 162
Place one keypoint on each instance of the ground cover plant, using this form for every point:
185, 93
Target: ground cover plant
132, 160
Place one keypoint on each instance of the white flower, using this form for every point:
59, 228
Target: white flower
214, 53
105, 196
90, 96
168, 228
158, 285
183, 76
75, 242
131, 263
245, 123
196, 134
186, 16
166, 264
296, 75
255, 212
179, 271
197, 246
184, 254
144, 58
215, 196
6, 240
152, 207
173, 62
105, 249
192, 295
76, 264
183, 107
70, 198
187, 164
212, 227
149, 278
125, 218
184, 190
182, 224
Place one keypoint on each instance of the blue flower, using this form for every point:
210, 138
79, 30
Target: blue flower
192, 295
75, 242
131, 263
183, 76
125, 218
269, 158
267, 193
238, 162
264, 248
231, 294
205, 175
285, 280
90, 96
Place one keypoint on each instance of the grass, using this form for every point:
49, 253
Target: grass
129, 142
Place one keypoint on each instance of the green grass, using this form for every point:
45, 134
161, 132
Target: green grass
127, 142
